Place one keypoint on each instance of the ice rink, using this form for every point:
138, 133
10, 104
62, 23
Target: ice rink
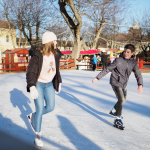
80, 120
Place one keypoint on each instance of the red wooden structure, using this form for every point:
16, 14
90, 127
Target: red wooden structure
13, 58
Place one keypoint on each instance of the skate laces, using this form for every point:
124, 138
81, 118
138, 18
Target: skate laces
118, 120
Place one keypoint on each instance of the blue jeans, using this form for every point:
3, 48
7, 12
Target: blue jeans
46, 92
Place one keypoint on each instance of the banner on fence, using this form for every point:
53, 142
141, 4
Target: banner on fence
0, 59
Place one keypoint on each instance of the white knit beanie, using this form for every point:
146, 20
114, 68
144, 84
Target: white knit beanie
48, 37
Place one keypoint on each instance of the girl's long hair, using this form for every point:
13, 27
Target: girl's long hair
47, 48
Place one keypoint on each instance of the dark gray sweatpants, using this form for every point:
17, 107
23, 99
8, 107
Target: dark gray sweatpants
121, 94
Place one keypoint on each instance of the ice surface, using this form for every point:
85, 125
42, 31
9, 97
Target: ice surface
80, 120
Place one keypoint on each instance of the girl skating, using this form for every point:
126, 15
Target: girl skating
43, 78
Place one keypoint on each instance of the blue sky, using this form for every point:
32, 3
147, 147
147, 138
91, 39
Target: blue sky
139, 4
136, 11
137, 8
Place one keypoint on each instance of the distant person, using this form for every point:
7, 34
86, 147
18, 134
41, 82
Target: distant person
121, 70
121, 54
104, 60
94, 62
112, 58
43, 80
117, 56
99, 60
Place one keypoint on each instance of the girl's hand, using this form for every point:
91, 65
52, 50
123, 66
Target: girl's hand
59, 88
33, 92
94, 80
140, 89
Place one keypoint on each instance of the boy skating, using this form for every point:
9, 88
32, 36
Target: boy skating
121, 69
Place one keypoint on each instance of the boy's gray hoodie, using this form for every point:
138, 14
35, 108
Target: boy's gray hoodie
121, 69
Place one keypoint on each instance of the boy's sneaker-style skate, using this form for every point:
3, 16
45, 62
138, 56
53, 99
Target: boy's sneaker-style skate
38, 142
113, 113
118, 123
31, 118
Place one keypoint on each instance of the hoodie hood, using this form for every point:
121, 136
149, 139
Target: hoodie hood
33, 51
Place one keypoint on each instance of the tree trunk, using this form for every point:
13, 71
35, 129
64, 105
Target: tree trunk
74, 25
83, 45
76, 47
66, 41
97, 36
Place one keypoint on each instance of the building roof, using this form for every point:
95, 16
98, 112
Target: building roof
111, 50
120, 51
19, 51
5, 24
122, 36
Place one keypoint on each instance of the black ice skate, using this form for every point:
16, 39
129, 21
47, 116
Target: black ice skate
118, 123
113, 113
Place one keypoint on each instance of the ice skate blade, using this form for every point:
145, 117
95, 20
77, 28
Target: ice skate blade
114, 115
121, 128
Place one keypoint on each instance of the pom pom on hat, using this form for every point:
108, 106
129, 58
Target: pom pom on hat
48, 37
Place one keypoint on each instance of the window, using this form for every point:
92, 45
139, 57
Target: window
7, 38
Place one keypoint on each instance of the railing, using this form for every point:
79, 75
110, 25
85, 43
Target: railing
9, 67
67, 64
64, 64
141, 63
88, 63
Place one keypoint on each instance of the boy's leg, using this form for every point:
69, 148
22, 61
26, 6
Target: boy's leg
121, 95
125, 94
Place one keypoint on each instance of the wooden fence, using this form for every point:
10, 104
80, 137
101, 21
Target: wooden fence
64, 64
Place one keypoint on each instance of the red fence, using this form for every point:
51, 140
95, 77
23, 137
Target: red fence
8, 67
67, 64
64, 64
141, 63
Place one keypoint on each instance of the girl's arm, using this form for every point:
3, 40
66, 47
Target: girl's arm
32, 72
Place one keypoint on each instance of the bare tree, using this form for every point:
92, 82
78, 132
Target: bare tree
72, 10
111, 12
145, 39
74, 24
27, 16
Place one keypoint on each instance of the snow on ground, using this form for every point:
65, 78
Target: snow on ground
80, 120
